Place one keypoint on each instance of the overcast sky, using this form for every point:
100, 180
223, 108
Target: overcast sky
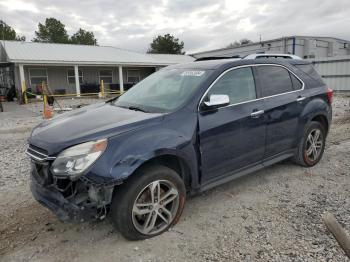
201, 24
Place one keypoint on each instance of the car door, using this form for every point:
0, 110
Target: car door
283, 104
231, 137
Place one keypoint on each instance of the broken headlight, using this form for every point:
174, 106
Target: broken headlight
73, 161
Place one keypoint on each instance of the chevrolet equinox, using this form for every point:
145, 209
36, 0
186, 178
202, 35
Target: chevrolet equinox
182, 130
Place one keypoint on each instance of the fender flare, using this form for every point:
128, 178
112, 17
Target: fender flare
314, 108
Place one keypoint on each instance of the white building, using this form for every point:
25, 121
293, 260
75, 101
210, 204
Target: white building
76, 69
331, 56
302, 46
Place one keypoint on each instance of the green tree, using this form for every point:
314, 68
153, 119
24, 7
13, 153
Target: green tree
83, 37
241, 42
166, 44
52, 31
8, 33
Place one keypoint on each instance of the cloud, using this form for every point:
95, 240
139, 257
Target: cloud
245, 25
18, 5
201, 24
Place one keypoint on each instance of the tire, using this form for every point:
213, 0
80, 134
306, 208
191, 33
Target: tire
303, 156
131, 211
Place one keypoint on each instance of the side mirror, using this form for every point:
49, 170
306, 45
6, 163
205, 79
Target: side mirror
216, 101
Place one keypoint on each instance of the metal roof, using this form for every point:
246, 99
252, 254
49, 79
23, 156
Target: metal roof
268, 41
47, 53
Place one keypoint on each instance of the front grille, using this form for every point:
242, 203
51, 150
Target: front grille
66, 187
38, 154
42, 173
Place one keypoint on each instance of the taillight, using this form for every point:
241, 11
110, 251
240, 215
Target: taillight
330, 95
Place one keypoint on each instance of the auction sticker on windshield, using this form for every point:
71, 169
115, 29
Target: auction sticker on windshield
192, 73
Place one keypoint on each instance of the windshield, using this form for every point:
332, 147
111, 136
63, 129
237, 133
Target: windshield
163, 91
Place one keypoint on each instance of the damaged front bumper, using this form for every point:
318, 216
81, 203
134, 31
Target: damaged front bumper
61, 207
71, 201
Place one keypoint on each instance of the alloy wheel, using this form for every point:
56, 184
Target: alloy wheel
314, 145
155, 207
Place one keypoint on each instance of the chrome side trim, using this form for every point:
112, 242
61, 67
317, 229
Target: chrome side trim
257, 99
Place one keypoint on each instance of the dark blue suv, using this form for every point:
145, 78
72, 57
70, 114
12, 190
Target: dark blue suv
182, 130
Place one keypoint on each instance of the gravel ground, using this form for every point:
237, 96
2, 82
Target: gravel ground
32, 114
64, 103
271, 215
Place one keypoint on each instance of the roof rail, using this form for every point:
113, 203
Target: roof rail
267, 55
216, 58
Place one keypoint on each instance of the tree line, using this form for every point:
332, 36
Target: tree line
51, 31
54, 31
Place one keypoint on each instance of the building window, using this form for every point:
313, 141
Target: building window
133, 76
37, 76
106, 76
71, 76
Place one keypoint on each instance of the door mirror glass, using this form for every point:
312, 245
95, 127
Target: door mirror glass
216, 101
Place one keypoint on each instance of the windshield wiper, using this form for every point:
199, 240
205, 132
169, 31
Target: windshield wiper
137, 109
112, 99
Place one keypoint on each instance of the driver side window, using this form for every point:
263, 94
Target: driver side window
237, 84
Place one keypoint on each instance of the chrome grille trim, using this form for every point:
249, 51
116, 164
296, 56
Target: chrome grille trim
38, 156
36, 152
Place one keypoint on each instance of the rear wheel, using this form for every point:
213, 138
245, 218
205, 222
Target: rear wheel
311, 146
149, 203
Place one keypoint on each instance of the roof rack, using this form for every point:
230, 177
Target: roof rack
216, 58
267, 55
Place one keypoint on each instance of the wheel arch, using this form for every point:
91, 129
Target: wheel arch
322, 119
172, 161
316, 110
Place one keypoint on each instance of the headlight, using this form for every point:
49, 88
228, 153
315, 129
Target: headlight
73, 161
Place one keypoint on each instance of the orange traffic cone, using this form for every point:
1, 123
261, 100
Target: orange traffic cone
48, 110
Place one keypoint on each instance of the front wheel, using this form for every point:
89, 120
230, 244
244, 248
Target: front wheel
148, 203
311, 146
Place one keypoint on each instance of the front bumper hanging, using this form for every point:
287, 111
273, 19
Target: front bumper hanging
70, 201
61, 207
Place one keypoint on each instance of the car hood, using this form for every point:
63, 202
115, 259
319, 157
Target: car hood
96, 121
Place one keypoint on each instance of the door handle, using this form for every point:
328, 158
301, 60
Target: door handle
301, 98
257, 114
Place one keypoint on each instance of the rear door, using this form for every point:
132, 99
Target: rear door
283, 105
232, 137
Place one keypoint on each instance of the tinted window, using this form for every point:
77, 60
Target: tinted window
274, 80
296, 82
238, 84
310, 71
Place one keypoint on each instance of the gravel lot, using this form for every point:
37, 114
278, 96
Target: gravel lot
271, 215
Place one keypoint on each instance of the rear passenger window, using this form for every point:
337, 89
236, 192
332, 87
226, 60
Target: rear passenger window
274, 80
310, 71
296, 82
238, 84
